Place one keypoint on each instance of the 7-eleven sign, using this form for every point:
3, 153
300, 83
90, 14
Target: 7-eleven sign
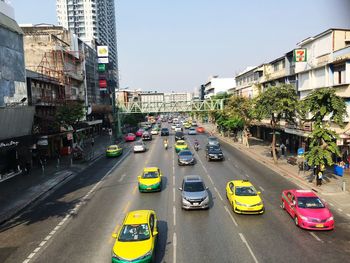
300, 55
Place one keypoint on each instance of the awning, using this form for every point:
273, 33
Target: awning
297, 132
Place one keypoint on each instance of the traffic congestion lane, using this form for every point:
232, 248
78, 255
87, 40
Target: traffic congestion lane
284, 233
207, 235
20, 236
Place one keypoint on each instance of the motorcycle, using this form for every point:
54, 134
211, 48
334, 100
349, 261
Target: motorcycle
166, 146
196, 147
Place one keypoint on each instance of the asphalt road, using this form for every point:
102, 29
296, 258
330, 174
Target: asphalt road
76, 222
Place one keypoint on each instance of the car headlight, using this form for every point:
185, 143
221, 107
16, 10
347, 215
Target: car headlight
330, 219
116, 257
148, 254
304, 218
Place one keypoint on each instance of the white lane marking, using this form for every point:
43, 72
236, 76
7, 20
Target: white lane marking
216, 190
246, 243
174, 215
340, 210
121, 178
316, 237
174, 180
348, 215
211, 180
174, 247
73, 211
262, 189
247, 175
330, 204
232, 218
174, 194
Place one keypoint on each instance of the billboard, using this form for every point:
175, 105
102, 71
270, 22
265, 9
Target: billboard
102, 51
103, 60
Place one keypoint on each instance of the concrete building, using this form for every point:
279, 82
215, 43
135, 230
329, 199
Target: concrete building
216, 85
151, 96
177, 96
16, 117
248, 82
94, 22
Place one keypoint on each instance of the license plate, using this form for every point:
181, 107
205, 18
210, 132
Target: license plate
149, 188
319, 225
195, 203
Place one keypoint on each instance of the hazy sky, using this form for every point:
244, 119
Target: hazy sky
169, 45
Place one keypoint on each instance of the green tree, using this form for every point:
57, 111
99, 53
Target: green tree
277, 103
70, 114
323, 103
242, 107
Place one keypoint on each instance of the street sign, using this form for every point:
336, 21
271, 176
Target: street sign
300, 55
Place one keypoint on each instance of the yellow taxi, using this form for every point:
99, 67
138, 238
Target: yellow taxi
180, 145
136, 239
187, 125
244, 198
114, 151
150, 180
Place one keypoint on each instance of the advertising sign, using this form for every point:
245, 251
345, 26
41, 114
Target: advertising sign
103, 83
103, 60
300, 55
101, 67
102, 51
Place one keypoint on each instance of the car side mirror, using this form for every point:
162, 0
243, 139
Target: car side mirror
259, 192
207, 188
155, 232
114, 235
180, 188
139, 177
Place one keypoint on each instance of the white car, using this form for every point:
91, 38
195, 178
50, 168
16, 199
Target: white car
154, 132
173, 126
178, 128
139, 146
192, 131
194, 123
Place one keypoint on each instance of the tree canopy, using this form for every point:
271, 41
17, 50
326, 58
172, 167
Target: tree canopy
70, 114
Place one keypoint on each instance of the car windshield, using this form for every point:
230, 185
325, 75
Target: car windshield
212, 140
134, 233
112, 148
214, 150
130, 134
139, 144
310, 202
179, 134
245, 191
165, 129
194, 187
148, 175
192, 129
185, 153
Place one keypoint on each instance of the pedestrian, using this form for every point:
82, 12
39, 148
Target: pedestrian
319, 178
283, 149
92, 141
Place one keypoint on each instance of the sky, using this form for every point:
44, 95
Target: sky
166, 45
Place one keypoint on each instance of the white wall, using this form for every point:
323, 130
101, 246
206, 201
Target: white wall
7, 10
222, 84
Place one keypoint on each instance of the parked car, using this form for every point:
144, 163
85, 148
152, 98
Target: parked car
139, 146
194, 193
130, 137
146, 136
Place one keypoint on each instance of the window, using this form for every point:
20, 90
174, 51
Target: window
151, 222
339, 74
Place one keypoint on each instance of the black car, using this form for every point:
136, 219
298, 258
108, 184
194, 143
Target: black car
216, 147
179, 136
146, 136
214, 153
185, 157
164, 132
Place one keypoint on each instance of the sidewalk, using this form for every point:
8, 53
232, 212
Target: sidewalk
21, 190
331, 189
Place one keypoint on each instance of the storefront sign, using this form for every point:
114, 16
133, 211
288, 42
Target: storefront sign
103, 60
300, 55
102, 51
7, 144
43, 142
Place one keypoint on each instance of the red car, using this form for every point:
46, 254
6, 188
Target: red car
200, 130
130, 137
307, 210
139, 132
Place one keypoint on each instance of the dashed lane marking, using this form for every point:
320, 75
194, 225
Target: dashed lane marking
126, 208
174, 215
121, 178
174, 247
348, 215
247, 175
216, 190
232, 218
246, 243
262, 189
134, 191
330, 204
315, 236
340, 210
174, 195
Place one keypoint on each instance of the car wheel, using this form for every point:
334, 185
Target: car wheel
296, 220
283, 205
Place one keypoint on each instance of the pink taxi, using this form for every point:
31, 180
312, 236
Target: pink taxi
130, 137
307, 210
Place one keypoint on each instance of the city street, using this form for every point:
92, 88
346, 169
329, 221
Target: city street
76, 222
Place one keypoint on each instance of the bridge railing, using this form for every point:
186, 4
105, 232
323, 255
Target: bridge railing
171, 106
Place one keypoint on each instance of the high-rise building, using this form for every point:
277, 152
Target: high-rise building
93, 21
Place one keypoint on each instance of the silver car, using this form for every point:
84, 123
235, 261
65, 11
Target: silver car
194, 194
139, 146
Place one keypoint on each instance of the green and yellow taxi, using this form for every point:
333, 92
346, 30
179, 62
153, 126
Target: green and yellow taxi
136, 240
187, 125
150, 180
180, 145
244, 198
114, 151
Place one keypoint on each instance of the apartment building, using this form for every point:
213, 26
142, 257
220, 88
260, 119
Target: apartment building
216, 85
177, 96
248, 82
